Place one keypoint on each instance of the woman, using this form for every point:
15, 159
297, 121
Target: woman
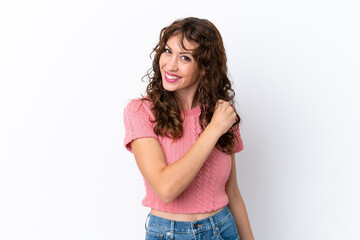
184, 135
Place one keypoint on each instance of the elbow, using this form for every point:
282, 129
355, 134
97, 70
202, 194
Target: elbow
166, 190
166, 195
166, 200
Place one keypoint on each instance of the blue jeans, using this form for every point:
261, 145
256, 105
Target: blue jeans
220, 226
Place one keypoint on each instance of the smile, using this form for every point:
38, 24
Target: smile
171, 78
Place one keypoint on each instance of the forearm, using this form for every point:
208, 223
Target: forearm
180, 174
238, 210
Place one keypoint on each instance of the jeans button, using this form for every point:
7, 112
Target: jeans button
196, 226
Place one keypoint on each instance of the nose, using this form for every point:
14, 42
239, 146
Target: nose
172, 64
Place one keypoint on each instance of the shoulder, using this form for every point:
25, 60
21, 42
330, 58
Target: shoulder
142, 104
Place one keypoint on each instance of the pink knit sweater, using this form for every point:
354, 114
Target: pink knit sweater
207, 190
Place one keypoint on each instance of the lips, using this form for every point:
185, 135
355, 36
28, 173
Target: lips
171, 77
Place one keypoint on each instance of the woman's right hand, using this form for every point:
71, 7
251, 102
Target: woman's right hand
224, 116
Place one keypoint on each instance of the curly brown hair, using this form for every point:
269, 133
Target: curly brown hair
214, 84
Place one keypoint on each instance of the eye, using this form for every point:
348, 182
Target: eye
167, 50
186, 58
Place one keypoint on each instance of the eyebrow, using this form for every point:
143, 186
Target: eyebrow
180, 52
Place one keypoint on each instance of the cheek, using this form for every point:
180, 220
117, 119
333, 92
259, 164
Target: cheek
161, 61
193, 72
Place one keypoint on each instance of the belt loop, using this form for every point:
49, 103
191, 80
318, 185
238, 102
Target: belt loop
172, 229
213, 226
147, 221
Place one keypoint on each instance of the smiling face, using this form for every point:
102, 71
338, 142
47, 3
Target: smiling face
178, 68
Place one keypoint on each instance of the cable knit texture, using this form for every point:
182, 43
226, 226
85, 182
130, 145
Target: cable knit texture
207, 190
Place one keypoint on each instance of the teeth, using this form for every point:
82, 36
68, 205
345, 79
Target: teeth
172, 77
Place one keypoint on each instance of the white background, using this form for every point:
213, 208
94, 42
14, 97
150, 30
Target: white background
67, 69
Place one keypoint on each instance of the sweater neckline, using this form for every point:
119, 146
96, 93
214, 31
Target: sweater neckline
192, 112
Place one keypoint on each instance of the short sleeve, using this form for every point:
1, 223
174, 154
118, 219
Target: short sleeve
137, 122
239, 146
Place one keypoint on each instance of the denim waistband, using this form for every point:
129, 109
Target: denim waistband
204, 224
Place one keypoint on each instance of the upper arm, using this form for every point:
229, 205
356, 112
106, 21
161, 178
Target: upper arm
150, 160
231, 187
141, 140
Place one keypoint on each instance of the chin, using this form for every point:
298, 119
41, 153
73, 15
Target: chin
165, 87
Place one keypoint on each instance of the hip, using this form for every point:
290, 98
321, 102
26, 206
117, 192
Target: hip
219, 226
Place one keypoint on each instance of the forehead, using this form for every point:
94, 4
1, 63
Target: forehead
180, 42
